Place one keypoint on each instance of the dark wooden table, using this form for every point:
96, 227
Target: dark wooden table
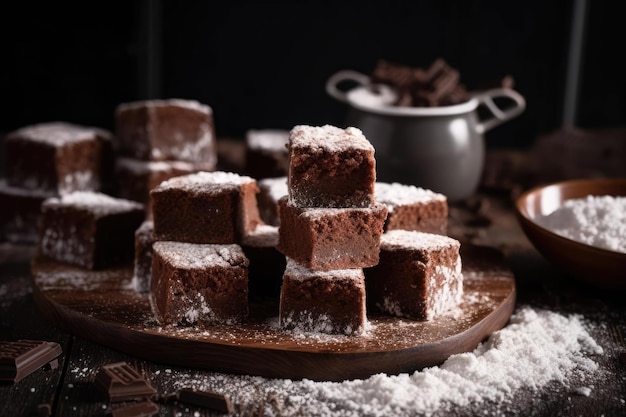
485, 219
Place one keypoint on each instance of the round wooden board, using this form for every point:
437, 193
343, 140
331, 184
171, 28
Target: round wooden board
101, 306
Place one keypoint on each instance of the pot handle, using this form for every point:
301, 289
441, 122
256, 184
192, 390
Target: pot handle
498, 115
332, 85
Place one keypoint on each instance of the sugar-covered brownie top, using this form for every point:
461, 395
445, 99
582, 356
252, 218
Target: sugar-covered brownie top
296, 271
205, 181
408, 239
141, 167
317, 213
396, 194
58, 133
275, 187
176, 102
197, 256
274, 140
96, 202
263, 236
327, 137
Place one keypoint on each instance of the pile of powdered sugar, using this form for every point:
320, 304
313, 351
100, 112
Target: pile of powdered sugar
598, 221
537, 348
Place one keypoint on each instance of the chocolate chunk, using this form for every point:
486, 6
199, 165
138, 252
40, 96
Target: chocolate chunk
122, 382
206, 399
438, 85
144, 408
21, 358
622, 357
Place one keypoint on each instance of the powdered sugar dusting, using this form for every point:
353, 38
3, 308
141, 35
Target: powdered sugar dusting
329, 138
598, 221
537, 348
317, 213
189, 104
99, 203
275, 188
408, 239
59, 133
194, 255
140, 167
264, 235
396, 194
271, 140
204, 180
298, 271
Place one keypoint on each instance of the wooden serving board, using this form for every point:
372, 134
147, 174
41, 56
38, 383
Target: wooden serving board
101, 306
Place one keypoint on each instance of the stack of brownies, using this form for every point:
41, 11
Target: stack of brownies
199, 272
159, 139
345, 236
49, 160
330, 229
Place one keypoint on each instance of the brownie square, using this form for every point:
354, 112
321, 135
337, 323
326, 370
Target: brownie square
413, 208
270, 191
330, 167
88, 229
142, 268
266, 153
20, 213
331, 238
205, 207
135, 178
161, 130
418, 276
267, 264
199, 283
323, 302
58, 157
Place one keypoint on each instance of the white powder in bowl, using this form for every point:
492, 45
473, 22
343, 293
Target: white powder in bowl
598, 221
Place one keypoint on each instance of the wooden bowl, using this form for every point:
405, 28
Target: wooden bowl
599, 267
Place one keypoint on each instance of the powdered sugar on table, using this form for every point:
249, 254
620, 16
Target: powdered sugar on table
598, 221
537, 348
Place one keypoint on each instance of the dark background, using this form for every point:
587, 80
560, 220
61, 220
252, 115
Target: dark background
264, 64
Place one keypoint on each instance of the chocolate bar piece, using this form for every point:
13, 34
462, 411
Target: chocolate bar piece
145, 408
122, 382
206, 399
21, 358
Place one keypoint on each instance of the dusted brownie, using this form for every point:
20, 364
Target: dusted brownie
144, 238
322, 302
413, 208
199, 283
270, 191
330, 167
331, 238
20, 211
266, 153
418, 276
267, 264
161, 130
136, 178
88, 229
205, 207
58, 157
